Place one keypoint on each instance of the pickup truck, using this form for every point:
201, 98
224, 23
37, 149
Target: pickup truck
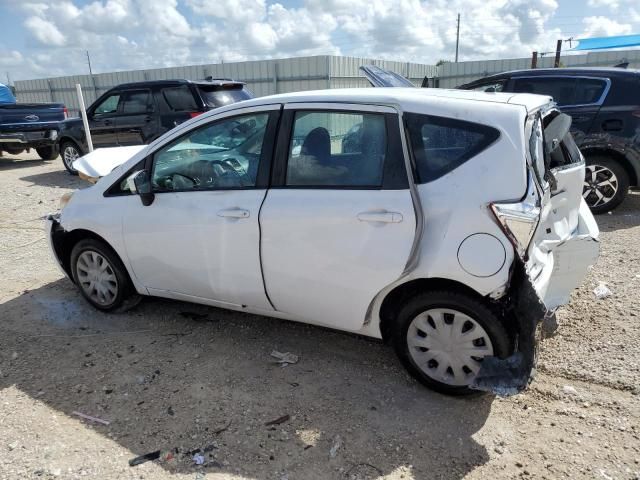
29, 125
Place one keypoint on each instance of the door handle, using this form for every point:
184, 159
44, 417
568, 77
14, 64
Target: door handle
148, 118
107, 122
234, 213
381, 216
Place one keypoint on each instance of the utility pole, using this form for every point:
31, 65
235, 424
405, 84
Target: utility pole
89, 62
457, 37
8, 79
556, 63
534, 60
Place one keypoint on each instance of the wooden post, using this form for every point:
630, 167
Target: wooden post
556, 63
534, 60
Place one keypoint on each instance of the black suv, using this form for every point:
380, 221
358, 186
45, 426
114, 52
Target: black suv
138, 113
604, 104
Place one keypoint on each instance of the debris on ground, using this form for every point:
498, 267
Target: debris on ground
223, 429
147, 457
337, 443
602, 291
569, 390
278, 420
89, 417
285, 358
198, 459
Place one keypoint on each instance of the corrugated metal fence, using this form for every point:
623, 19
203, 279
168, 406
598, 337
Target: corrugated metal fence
266, 77
263, 77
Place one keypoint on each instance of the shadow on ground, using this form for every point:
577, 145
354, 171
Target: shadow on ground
627, 215
171, 381
14, 162
58, 178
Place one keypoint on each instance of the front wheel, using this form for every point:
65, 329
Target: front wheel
69, 152
606, 183
47, 153
100, 275
442, 337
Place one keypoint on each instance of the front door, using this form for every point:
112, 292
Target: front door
339, 225
200, 237
102, 122
137, 122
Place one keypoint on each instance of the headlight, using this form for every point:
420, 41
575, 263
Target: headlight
64, 199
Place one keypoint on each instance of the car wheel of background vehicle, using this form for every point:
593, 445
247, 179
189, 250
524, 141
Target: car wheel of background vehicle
69, 152
47, 153
100, 274
606, 184
441, 338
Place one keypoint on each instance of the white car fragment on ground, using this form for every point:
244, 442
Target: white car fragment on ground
448, 223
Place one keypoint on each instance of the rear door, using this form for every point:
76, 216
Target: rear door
137, 119
338, 223
177, 104
563, 245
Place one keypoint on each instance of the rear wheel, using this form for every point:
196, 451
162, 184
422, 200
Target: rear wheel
47, 153
69, 152
606, 183
100, 275
442, 337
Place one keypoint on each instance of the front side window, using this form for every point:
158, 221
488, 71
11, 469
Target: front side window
221, 155
562, 89
337, 149
108, 105
137, 102
441, 144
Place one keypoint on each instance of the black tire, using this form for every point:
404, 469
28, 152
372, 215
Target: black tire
463, 303
67, 149
13, 150
47, 153
611, 166
124, 287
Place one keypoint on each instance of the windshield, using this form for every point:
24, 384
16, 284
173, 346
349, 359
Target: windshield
214, 97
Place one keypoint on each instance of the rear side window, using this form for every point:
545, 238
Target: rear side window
180, 99
137, 102
441, 144
589, 90
562, 89
214, 97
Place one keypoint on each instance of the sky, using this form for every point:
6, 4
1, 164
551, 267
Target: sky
50, 38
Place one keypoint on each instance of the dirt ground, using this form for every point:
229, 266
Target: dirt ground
169, 380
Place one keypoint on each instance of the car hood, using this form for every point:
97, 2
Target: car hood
102, 161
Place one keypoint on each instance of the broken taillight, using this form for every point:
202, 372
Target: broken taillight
519, 220
195, 114
65, 111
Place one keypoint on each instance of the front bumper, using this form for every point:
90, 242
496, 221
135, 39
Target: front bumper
54, 232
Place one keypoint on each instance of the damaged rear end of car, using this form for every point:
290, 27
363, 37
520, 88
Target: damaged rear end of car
555, 238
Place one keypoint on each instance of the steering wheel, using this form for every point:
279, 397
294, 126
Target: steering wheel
174, 174
227, 165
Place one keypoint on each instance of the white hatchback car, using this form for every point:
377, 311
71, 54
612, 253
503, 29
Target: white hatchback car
449, 223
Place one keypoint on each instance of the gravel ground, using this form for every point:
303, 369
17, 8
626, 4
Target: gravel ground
177, 383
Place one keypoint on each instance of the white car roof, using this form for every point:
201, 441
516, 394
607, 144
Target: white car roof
405, 98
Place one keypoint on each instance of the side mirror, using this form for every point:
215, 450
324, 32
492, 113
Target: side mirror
139, 183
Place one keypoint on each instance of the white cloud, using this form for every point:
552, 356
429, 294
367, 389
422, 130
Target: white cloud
134, 34
45, 31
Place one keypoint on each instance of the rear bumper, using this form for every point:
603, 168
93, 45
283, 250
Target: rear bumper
532, 302
31, 138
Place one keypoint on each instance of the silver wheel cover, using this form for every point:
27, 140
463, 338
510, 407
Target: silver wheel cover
600, 185
96, 277
448, 345
69, 155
